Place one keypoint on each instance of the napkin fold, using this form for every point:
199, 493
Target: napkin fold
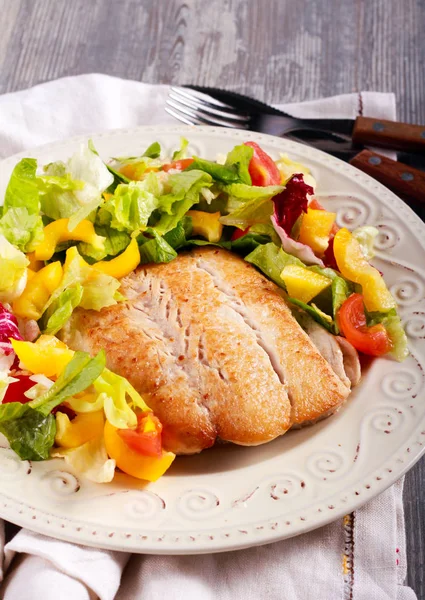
361, 557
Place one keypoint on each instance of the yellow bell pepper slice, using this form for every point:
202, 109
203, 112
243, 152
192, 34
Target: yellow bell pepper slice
315, 229
303, 284
57, 232
35, 265
123, 264
132, 462
48, 355
31, 303
83, 428
353, 265
206, 224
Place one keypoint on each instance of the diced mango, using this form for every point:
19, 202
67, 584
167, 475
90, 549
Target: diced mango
206, 224
303, 284
315, 229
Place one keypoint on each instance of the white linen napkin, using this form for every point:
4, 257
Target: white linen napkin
359, 558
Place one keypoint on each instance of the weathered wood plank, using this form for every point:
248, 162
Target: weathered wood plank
277, 50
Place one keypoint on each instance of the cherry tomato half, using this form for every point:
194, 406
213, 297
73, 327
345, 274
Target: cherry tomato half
178, 165
146, 438
262, 168
352, 322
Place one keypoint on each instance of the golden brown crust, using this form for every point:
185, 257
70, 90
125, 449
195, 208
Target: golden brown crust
212, 346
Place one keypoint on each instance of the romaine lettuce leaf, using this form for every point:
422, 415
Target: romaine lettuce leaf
74, 190
61, 309
22, 190
271, 260
115, 242
185, 188
318, 315
21, 228
30, 433
181, 152
132, 204
155, 250
234, 170
13, 273
249, 205
118, 393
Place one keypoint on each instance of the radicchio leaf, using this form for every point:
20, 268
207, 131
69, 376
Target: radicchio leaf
8, 329
291, 202
301, 251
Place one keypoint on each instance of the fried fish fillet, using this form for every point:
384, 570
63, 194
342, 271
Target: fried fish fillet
213, 348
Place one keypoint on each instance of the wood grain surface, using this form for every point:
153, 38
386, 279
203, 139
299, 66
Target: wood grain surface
276, 50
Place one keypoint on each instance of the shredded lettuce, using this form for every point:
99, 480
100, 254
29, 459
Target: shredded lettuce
156, 250
21, 222
117, 392
22, 228
366, 236
61, 309
271, 260
90, 460
235, 169
394, 327
74, 190
114, 243
185, 189
181, 152
93, 290
132, 204
13, 273
22, 190
318, 315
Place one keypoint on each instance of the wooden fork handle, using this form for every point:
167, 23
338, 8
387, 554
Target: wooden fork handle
407, 182
389, 134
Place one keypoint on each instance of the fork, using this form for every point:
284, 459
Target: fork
193, 107
196, 108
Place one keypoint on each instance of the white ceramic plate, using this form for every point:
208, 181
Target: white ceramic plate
233, 497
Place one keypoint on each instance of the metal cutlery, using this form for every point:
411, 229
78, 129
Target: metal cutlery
343, 138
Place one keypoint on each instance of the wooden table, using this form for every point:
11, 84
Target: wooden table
276, 50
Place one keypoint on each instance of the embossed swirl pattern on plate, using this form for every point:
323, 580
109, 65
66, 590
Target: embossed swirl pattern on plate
351, 211
11, 466
286, 487
198, 503
326, 464
402, 383
408, 290
60, 483
143, 506
389, 235
414, 325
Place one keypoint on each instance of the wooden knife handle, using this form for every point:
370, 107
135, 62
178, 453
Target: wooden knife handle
407, 182
389, 134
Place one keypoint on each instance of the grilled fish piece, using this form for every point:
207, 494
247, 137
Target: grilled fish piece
213, 348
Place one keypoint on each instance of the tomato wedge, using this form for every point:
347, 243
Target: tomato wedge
262, 168
178, 165
238, 233
146, 439
16, 390
352, 322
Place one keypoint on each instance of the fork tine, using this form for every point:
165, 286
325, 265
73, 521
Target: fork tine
201, 104
181, 117
204, 98
205, 118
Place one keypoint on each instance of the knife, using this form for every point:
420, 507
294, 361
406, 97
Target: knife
348, 140
362, 130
